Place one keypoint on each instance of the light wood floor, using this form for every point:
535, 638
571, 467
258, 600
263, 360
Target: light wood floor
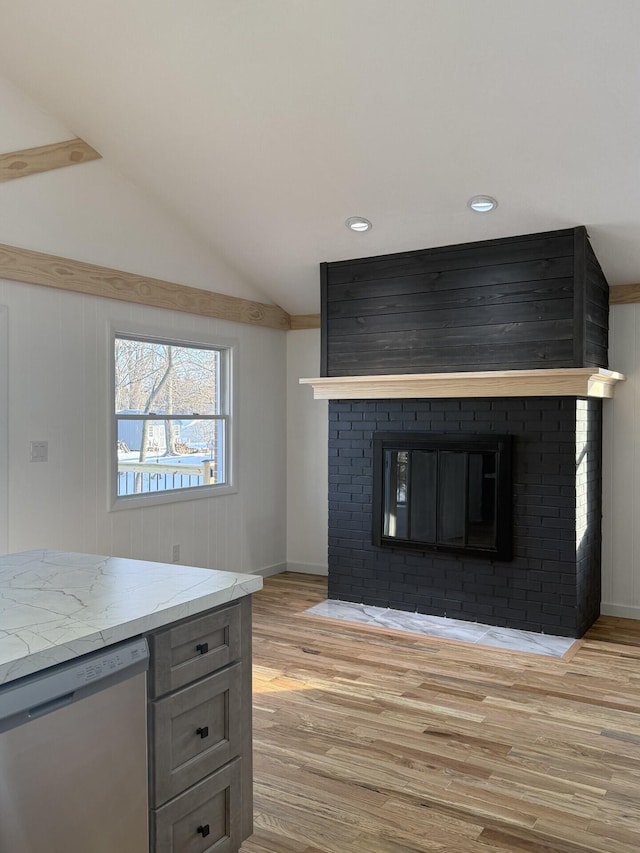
373, 741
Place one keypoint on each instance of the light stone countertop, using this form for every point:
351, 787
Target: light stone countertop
55, 606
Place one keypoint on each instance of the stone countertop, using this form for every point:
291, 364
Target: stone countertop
55, 606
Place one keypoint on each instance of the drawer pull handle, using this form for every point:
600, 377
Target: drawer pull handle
204, 830
203, 732
203, 648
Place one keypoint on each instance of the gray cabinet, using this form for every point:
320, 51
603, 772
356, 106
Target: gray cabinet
187, 651
200, 763
204, 818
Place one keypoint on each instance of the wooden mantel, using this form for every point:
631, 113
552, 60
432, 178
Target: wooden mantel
552, 382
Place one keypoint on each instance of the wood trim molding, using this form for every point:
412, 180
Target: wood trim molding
624, 294
19, 164
305, 321
38, 268
552, 382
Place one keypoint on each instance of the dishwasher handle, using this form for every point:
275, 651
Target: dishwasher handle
51, 705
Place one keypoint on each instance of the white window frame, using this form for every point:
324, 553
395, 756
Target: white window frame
229, 379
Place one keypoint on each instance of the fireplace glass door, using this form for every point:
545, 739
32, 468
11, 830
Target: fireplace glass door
443, 493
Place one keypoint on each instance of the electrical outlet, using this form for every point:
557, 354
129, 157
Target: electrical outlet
175, 553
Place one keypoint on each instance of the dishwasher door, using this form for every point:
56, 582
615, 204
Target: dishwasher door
73, 757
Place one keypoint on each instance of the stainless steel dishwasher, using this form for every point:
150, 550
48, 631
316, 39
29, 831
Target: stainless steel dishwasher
73, 756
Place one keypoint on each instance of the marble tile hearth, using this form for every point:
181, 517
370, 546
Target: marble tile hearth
444, 628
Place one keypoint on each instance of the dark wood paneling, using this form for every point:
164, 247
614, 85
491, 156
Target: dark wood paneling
473, 277
500, 304
597, 315
552, 244
597, 312
453, 360
456, 318
595, 276
450, 350
323, 320
579, 296
470, 297
600, 354
551, 330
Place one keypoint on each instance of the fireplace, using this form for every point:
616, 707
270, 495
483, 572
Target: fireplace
465, 430
551, 584
443, 492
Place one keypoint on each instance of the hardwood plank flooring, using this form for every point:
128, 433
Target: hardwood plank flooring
372, 741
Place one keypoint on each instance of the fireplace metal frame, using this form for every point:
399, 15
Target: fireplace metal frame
501, 445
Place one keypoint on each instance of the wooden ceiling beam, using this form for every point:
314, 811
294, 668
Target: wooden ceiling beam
624, 294
31, 161
305, 321
38, 268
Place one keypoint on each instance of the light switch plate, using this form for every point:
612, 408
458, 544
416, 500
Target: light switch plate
39, 451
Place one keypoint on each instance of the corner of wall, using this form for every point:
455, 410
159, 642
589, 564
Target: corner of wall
307, 454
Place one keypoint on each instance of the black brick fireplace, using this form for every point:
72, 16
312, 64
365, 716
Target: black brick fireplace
552, 584
518, 304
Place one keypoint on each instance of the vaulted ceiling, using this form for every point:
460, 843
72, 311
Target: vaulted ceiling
264, 124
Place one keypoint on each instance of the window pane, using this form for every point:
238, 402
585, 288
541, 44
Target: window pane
481, 529
159, 456
451, 498
167, 379
396, 493
423, 495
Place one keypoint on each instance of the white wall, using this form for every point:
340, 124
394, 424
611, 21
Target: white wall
57, 368
91, 213
621, 470
307, 453
59, 373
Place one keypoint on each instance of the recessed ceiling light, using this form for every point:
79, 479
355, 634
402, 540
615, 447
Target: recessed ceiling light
482, 203
358, 223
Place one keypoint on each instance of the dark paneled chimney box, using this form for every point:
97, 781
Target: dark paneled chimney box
513, 304
527, 302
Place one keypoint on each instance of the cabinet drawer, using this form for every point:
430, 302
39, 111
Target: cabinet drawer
195, 731
204, 819
194, 649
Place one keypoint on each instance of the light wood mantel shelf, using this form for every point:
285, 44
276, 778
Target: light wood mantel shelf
552, 382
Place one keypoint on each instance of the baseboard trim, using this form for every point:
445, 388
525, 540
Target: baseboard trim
308, 568
625, 611
267, 571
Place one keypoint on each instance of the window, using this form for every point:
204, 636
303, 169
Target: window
172, 408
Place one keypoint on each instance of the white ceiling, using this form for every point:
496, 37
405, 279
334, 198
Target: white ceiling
264, 124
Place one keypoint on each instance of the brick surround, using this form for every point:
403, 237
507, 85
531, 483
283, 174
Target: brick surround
552, 585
